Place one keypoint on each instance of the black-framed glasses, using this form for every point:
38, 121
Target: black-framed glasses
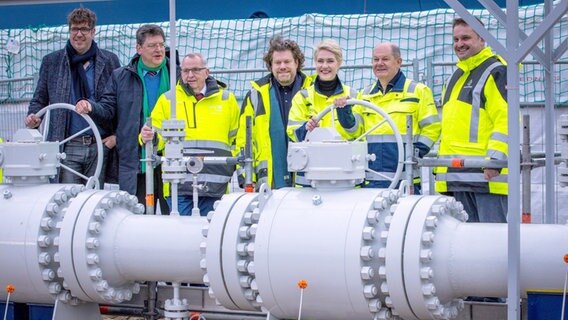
193, 70
83, 30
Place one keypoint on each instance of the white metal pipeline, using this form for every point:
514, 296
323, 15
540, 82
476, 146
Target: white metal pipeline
365, 253
89, 245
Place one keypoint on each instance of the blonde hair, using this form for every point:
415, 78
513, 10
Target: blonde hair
331, 46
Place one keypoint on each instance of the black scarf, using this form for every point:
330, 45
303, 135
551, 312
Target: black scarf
78, 73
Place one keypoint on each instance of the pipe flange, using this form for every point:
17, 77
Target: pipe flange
373, 253
48, 237
232, 227
83, 267
109, 292
420, 240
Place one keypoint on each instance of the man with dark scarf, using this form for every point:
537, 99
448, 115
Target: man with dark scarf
129, 98
79, 71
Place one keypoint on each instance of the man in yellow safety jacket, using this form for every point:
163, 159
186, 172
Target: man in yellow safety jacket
211, 115
474, 126
268, 104
399, 97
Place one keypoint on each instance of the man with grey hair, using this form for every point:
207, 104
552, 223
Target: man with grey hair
399, 97
211, 115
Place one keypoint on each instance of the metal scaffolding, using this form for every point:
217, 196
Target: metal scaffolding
518, 46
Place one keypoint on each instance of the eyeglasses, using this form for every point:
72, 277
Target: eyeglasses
83, 30
193, 70
160, 45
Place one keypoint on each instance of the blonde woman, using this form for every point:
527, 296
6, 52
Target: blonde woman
325, 89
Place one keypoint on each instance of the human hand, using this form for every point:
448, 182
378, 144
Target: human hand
341, 101
147, 134
110, 141
83, 107
32, 121
312, 124
489, 174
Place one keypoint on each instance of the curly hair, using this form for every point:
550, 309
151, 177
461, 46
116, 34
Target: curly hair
82, 15
277, 43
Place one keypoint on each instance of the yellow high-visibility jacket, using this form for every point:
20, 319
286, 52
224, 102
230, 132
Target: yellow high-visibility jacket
474, 123
309, 102
406, 97
257, 105
210, 124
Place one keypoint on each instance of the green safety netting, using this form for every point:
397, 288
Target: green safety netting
234, 48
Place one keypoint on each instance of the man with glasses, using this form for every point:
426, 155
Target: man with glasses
211, 115
129, 98
79, 71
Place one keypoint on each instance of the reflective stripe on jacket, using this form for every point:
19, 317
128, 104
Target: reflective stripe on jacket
257, 105
474, 123
210, 124
406, 97
308, 103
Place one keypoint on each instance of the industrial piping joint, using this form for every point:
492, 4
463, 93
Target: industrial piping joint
363, 253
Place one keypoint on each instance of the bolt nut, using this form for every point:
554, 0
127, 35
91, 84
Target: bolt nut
47, 224
367, 273
54, 288
241, 249
244, 232
242, 266
370, 291
93, 258
102, 286
95, 227
7, 194
428, 237
96, 274
44, 258
43, 241
250, 268
426, 273
428, 289
375, 305
100, 214
367, 253
425, 255
245, 281
380, 203
373, 217
431, 222
92, 243
60, 197
368, 233
255, 215
48, 274
316, 200
52, 209
382, 272
205, 230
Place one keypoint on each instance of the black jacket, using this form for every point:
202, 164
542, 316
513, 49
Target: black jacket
122, 104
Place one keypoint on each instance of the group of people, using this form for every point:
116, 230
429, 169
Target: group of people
282, 106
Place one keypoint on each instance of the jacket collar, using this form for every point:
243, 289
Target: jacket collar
475, 60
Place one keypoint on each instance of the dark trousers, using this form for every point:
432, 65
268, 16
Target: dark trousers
158, 190
483, 207
83, 159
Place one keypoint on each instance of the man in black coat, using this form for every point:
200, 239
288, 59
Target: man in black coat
79, 71
128, 100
